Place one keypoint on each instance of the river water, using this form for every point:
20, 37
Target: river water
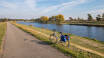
84, 31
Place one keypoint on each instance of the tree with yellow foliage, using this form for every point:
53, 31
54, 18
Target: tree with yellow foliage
44, 19
59, 18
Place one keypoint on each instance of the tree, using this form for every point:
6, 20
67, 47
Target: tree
53, 18
98, 18
79, 19
71, 19
90, 18
59, 18
103, 16
32, 19
44, 19
4, 19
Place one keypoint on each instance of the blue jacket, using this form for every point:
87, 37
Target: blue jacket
63, 38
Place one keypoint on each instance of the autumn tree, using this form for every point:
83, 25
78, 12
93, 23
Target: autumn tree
53, 18
90, 18
44, 19
59, 18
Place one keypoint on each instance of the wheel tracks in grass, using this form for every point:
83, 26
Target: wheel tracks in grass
86, 49
78, 46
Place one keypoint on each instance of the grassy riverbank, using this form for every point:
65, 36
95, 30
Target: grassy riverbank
2, 31
83, 23
97, 25
80, 47
86, 23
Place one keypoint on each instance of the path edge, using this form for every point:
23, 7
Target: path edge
3, 43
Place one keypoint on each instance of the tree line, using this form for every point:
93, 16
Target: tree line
54, 19
60, 19
7, 19
90, 18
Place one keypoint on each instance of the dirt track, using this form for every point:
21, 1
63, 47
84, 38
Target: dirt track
19, 44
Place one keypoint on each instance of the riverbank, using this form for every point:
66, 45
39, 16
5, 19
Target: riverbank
97, 24
86, 23
77, 43
2, 31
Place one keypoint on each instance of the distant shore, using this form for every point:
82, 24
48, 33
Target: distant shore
97, 25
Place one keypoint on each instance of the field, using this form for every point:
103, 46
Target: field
79, 47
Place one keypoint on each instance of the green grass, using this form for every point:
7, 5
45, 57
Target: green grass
72, 51
2, 31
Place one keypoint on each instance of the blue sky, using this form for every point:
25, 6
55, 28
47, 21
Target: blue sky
28, 9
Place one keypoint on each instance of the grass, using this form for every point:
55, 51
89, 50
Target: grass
86, 23
86, 42
73, 50
2, 31
102, 42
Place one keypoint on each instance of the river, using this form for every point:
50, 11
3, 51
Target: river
84, 31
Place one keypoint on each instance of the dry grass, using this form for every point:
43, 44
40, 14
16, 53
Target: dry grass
2, 30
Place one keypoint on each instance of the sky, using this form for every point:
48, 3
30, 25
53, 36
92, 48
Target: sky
29, 9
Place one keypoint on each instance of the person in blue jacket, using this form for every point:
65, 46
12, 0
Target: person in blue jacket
62, 38
68, 39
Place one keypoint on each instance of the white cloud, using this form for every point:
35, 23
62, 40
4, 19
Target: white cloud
71, 4
8, 5
62, 6
96, 11
31, 3
30, 8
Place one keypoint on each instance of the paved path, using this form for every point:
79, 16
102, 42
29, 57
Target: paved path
19, 44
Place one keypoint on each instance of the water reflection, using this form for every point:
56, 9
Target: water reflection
89, 31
